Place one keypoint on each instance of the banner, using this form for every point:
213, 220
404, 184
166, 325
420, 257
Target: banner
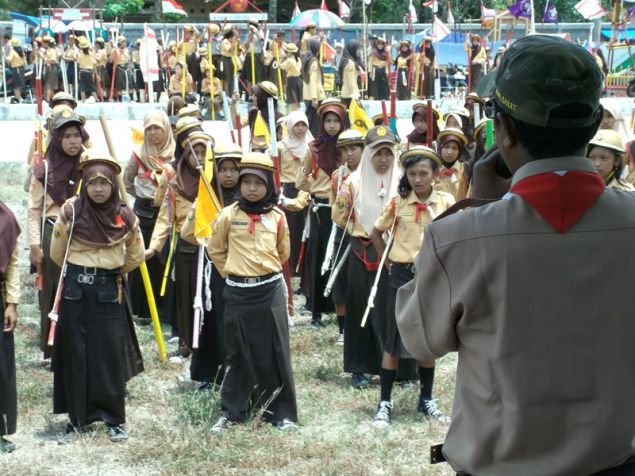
439, 30
521, 9
148, 58
590, 9
551, 14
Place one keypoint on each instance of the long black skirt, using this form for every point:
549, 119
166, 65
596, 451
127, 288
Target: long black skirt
400, 274
70, 73
363, 346
132, 358
296, 222
476, 73
185, 263
86, 82
381, 85
313, 117
227, 70
294, 89
259, 373
403, 90
8, 389
121, 79
17, 74
209, 359
104, 80
315, 251
50, 278
51, 78
428, 81
89, 371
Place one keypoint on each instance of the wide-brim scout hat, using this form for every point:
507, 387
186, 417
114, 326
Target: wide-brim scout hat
479, 127
405, 42
228, 151
15, 42
38, 39
190, 110
83, 42
196, 137
189, 27
71, 36
609, 139
379, 135
253, 22
475, 98
530, 86
48, 39
452, 134
202, 51
66, 117
331, 105
213, 29
121, 39
99, 40
227, 28
256, 160
350, 137
187, 123
311, 24
378, 119
420, 151
138, 41
421, 108
269, 88
63, 96
290, 47
97, 158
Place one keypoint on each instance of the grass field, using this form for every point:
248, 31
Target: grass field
169, 421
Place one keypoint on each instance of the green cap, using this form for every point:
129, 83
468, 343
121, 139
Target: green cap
379, 135
540, 73
67, 116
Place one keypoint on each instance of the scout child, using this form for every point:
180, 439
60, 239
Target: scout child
403, 63
249, 245
606, 151
416, 204
451, 177
348, 71
312, 87
292, 66
419, 136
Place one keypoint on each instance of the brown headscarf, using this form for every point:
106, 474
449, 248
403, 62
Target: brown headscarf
63, 176
415, 137
324, 147
9, 231
102, 225
149, 153
186, 180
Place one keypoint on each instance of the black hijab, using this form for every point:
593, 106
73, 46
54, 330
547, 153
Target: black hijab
313, 52
264, 205
351, 52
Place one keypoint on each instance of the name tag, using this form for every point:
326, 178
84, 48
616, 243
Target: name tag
453, 179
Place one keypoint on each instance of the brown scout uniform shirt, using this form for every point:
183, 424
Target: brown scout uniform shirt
349, 81
341, 210
453, 181
179, 207
240, 247
312, 179
12, 279
291, 66
314, 88
545, 342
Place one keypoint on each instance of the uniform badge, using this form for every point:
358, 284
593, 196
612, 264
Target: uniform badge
381, 131
66, 114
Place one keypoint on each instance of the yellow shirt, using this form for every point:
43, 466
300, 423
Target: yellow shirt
289, 165
314, 88
51, 56
312, 179
237, 251
291, 66
227, 48
179, 208
304, 43
342, 213
128, 254
455, 184
86, 61
70, 54
376, 62
15, 60
621, 185
123, 56
34, 213
12, 279
408, 231
101, 57
176, 85
349, 80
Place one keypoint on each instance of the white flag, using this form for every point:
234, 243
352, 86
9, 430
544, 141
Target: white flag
439, 30
413, 13
345, 11
148, 58
590, 9
450, 16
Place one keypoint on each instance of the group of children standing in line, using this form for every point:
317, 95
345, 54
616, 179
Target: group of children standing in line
335, 203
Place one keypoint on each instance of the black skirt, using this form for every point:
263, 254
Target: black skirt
8, 389
90, 374
363, 346
70, 73
313, 117
314, 257
86, 82
382, 88
400, 274
258, 363
17, 74
227, 70
257, 69
296, 222
476, 73
50, 278
104, 80
121, 78
403, 91
209, 359
185, 263
428, 81
294, 89
138, 79
51, 78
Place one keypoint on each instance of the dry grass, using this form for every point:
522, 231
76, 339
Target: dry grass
169, 422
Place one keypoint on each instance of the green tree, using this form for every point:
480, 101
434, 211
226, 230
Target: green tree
121, 8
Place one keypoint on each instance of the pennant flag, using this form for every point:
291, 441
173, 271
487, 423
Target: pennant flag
521, 9
296, 11
450, 18
345, 11
590, 9
148, 59
206, 205
327, 52
323, 5
488, 16
358, 118
413, 13
439, 30
137, 136
261, 129
170, 6
630, 14
551, 14
431, 4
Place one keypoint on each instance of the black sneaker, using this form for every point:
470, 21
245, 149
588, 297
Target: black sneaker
116, 433
430, 409
287, 426
70, 433
383, 414
315, 324
6, 446
359, 381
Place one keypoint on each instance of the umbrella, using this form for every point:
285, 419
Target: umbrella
78, 25
57, 26
322, 18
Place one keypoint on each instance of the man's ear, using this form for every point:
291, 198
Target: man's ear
507, 134
598, 119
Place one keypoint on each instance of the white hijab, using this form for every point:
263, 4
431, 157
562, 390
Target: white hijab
612, 105
372, 190
296, 145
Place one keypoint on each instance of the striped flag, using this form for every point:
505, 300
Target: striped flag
439, 30
590, 9
148, 58
170, 6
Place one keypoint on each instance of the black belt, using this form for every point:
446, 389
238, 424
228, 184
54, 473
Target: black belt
320, 200
146, 202
90, 275
252, 279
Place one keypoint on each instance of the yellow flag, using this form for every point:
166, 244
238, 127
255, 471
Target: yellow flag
137, 136
358, 118
261, 129
207, 206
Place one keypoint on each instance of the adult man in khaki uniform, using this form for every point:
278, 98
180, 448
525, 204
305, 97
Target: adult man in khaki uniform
527, 290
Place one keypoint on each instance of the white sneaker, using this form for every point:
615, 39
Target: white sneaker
287, 426
221, 425
383, 414
340, 339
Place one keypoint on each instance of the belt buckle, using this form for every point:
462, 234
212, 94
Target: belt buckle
254, 280
85, 279
90, 271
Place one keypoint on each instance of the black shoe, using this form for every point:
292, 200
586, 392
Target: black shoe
221, 425
315, 324
359, 381
430, 409
69, 434
116, 433
205, 386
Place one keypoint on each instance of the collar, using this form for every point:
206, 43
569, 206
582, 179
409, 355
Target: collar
558, 164
432, 198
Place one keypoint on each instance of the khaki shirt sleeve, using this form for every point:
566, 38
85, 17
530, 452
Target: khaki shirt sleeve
217, 244
314, 79
59, 241
284, 244
385, 219
162, 228
135, 251
187, 230
341, 209
129, 176
425, 317
12, 279
302, 181
34, 213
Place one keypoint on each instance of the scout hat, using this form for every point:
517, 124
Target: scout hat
228, 151
83, 42
530, 86
331, 105
452, 134
290, 47
479, 127
196, 137
15, 42
191, 110
311, 24
475, 98
71, 36
421, 109
48, 39
256, 163
202, 50
99, 39
63, 96
379, 135
269, 88
378, 119
350, 137
420, 151
253, 22
38, 39
609, 139
227, 28
94, 158
186, 123
138, 41
121, 39
67, 116
189, 28
213, 29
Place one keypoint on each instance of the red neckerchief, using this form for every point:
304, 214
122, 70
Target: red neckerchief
254, 218
448, 172
419, 207
560, 198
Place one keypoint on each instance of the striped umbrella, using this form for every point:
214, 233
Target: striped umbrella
322, 18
